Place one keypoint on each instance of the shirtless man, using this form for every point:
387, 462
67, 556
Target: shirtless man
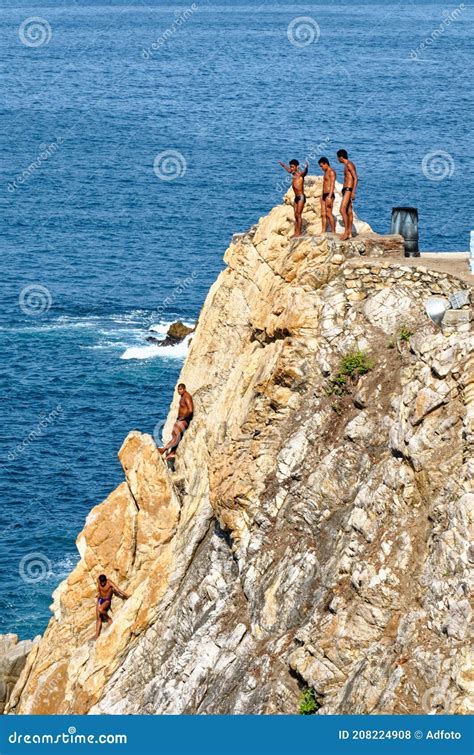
298, 187
185, 415
328, 196
105, 590
348, 193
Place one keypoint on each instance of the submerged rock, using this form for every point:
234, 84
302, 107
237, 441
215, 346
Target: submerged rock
315, 531
177, 332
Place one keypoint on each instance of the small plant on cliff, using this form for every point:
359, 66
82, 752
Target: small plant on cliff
308, 702
355, 364
405, 334
352, 366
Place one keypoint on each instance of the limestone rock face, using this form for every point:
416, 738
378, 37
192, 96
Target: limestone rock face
13, 656
129, 538
311, 534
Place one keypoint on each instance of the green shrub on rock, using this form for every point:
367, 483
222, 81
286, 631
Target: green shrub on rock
353, 365
405, 334
308, 702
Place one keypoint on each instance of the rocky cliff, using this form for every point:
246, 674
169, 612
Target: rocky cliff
13, 656
316, 530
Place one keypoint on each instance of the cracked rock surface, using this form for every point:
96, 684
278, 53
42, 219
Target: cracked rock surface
13, 654
309, 537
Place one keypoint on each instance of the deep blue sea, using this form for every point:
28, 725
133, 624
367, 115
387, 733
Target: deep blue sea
136, 138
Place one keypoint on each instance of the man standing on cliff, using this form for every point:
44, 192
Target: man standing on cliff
105, 590
328, 196
298, 187
185, 415
348, 193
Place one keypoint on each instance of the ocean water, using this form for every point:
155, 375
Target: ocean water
105, 233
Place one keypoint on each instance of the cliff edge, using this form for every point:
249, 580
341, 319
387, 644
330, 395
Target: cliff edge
316, 530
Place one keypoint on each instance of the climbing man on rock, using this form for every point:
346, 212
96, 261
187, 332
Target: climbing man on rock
328, 196
185, 415
348, 193
105, 590
298, 187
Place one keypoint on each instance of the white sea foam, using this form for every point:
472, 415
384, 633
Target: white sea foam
111, 323
63, 567
107, 345
117, 332
136, 317
162, 327
179, 351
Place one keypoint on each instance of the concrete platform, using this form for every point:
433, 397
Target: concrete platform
455, 263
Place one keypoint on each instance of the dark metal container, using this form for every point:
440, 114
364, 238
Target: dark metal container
405, 223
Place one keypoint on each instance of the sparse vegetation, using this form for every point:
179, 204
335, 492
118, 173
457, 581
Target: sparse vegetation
308, 702
391, 344
405, 334
353, 365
